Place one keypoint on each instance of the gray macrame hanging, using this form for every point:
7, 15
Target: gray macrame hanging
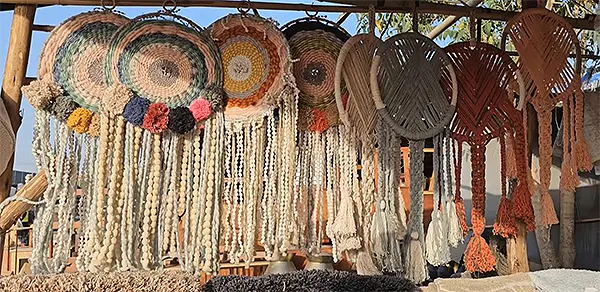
406, 80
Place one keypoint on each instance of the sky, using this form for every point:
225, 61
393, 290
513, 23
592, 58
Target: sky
54, 15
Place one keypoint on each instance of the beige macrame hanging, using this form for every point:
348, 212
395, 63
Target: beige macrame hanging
406, 81
544, 41
352, 227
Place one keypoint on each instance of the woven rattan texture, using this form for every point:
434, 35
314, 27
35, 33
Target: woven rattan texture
73, 55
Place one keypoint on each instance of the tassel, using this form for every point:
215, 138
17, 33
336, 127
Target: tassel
582, 154
455, 233
458, 201
416, 263
478, 255
379, 231
505, 220
344, 227
436, 241
548, 211
521, 204
365, 264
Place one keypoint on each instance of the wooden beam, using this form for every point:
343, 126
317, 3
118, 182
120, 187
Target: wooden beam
46, 28
449, 21
388, 6
32, 191
14, 76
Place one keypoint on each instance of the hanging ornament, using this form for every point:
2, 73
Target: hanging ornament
406, 80
66, 100
485, 112
544, 41
260, 130
314, 45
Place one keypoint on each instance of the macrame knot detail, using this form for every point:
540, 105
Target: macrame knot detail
181, 120
201, 109
116, 101
40, 93
135, 110
94, 127
62, 107
80, 120
156, 118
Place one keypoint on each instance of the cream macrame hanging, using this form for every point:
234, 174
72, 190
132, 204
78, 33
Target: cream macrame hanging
407, 75
351, 228
314, 45
544, 41
260, 133
66, 101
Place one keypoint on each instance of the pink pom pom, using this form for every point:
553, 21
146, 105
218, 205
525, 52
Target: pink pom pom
200, 109
156, 118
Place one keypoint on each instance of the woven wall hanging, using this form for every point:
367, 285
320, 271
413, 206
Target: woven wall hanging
406, 80
352, 226
485, 112
66, 101
260, 154
544, 41
315, 43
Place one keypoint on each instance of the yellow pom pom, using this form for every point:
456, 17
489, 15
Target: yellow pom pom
80, 120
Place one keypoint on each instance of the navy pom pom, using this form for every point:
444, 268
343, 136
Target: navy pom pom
135, 110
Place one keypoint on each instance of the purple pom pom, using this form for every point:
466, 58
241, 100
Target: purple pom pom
181, 120
135, 110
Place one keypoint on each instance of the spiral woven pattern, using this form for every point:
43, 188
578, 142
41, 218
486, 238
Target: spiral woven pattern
316, 50
163, 61
255, 55
407, 80
73, 55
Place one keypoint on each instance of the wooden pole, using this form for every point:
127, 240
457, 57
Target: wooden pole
32, 191
14, 76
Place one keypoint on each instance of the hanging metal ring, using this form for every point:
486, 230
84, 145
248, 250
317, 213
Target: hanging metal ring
313, 14
244, 7
173, 6
111, 8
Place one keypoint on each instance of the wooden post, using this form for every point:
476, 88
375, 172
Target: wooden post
14, 76
33, 191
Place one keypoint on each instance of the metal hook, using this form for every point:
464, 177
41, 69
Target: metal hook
246, 9
314, 14
111, 8
169, 10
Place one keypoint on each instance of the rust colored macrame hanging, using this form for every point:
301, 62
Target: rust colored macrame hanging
485, 110
544, 41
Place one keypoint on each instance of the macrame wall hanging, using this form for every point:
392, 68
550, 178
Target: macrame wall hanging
66, 101
164, 121
544, 41
486, 110
260, 153
351, 228
314, 45
406, 80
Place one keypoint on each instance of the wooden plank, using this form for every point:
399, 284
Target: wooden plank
14, 75
359, 7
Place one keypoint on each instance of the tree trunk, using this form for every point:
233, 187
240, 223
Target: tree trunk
567, 229
542, 236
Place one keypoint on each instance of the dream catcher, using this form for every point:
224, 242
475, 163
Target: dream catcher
351, 228
260, 135
407, 76
544, 41
315, 43
67, 99
485, 112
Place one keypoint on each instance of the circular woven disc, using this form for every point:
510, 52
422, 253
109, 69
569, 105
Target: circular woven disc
409, 88
255, 57
163, 61
73, 55
316, 48
484, 106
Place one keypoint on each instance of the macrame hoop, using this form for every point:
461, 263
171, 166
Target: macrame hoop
377, 97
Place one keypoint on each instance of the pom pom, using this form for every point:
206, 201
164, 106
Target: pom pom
40, 93
62, 107
94, 128
80, 120
135, 110
478, 255
116, 101
505, 219
201, 109
214, 95
181, 120
320, 122
156, 118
